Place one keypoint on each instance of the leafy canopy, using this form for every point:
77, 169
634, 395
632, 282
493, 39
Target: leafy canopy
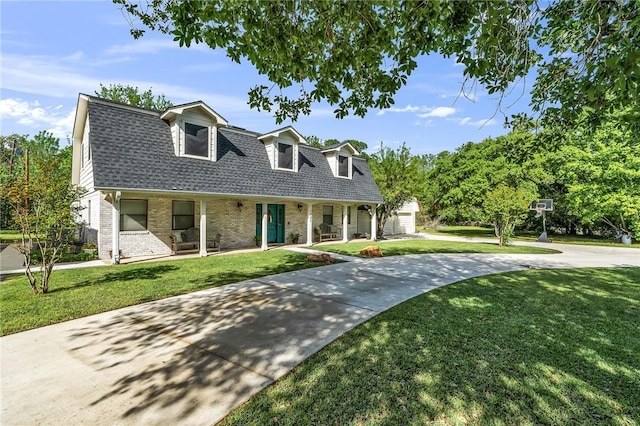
600, 168
493, 181
356, 55
131, 95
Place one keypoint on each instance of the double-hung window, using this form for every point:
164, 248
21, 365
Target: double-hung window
343, 166
182, 215
327, 215
285, 156
133, 215
196, 140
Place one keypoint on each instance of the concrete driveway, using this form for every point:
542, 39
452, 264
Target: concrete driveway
191, 359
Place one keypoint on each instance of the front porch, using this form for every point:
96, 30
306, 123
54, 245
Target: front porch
143, 226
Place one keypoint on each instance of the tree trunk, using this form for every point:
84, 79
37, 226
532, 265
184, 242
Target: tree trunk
46, 273
499, 231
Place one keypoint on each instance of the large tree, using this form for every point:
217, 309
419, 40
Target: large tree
492, 181
356, 55
131, 95
600, 168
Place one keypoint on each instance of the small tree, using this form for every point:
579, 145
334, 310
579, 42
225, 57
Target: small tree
398, 175
45, 209
505, 207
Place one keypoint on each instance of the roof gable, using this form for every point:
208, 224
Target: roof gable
177, 110
340, 147
289, 129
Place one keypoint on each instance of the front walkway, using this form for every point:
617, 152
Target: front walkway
191, 359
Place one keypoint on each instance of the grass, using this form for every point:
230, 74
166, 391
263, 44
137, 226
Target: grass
10, 235
531, 347
404, 247
76, 293
462, 231
482, 232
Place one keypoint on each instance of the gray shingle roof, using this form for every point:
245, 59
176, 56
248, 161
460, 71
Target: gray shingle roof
133, 149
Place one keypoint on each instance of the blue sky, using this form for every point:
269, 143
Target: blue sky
53, 50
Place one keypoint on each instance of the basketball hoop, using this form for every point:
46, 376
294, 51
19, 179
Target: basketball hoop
541, 207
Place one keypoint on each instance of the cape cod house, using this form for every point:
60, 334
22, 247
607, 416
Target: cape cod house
157, 180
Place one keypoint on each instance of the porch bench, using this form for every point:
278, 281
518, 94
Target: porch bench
329, 232
189, 241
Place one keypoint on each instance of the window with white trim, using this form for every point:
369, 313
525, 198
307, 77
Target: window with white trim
343, 166
196, 140
285, 156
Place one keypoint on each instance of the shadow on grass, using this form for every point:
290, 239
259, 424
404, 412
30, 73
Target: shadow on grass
146, 272
287, 263
532, 347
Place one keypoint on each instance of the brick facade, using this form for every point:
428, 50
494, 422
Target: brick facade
237, 226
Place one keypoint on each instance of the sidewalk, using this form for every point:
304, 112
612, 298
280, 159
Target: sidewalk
191, 359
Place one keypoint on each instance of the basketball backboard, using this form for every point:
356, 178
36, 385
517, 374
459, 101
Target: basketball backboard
544, 204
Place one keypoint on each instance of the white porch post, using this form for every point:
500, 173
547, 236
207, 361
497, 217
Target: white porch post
115, 231
265, 223
374, 223
309, 224
345, 223
203, 228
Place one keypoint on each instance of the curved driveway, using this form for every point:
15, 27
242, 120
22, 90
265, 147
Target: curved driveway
191, 359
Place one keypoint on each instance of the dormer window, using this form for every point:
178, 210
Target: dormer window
343, 166
285, 156
196, 140
282, 148
340, 158
194, 130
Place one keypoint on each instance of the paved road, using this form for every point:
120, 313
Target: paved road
191, 359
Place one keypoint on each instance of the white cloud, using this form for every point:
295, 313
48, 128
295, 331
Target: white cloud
33, 115
438, 112
467, 121
141, 46
151, 46
424, 111
45, 75
425, 123
408, 108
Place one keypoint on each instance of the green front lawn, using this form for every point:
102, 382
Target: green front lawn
482, 232
404, 247
529, 347
462, 231
76, 293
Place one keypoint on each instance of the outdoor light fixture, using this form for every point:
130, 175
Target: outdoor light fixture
240, 205
300, 207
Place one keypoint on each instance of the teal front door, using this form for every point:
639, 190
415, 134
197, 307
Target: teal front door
275, 222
